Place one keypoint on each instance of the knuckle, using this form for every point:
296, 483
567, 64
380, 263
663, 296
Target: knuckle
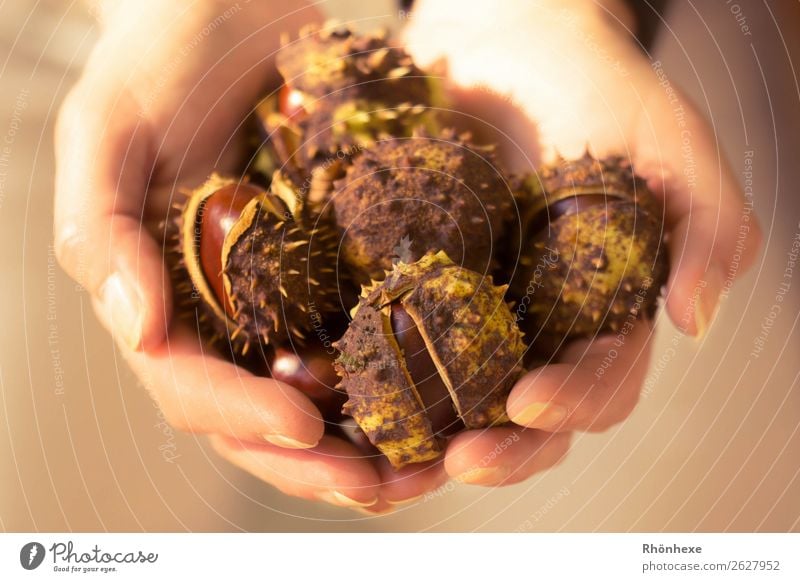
606, 419
560, 455
218, 446
632, 401
177, 419
68, 115
69, 244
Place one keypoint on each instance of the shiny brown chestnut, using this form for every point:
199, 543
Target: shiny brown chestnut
432, 389
291, 103
545, 215
310, 370
219, 213
207, 215
349, 429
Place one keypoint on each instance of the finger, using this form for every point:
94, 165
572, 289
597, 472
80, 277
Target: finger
714, 236
705, 262
409, 483
594, 386
333, 471
199, 392
102, 163
503, 455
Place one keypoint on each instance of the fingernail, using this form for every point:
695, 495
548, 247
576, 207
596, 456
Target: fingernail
402, 501
707, 302
373, 513
123, 308
541, 415
286, 442
338, 498
482, 475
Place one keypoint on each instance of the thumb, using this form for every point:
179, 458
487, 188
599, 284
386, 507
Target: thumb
102, 168
714, 234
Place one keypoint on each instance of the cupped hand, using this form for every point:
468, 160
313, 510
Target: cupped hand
555, 77
162, 103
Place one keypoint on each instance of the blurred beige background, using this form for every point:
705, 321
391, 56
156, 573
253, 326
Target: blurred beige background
714, 445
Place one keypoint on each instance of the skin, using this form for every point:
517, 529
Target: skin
573, 97
149, 116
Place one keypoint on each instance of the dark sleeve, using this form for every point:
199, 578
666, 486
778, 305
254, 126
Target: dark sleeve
648, 15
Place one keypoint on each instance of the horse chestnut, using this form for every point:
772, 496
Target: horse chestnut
311, 371
371, 190
593, 255
464, 328
206, 217
291, 103
342, 92
252, 265
438, 193
220, 212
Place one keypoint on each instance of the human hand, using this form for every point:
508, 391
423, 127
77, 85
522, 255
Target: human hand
553, 77
160, 105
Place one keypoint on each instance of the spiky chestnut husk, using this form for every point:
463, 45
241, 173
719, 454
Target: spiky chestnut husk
470, 335
432, 193
332, 62
342, 93
593, 256
278, 274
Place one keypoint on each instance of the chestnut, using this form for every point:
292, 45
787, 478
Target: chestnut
592, 258
311, 371
432, 389
219, 213
431, 349
349, 429
291, 103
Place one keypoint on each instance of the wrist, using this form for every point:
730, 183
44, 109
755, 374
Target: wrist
155, 37
476, 16
525, 42
551, 58
109, 12
620, 15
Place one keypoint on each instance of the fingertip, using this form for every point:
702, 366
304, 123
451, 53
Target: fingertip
530, 403
122, 268
136, 316
289, 418
408, 484
479, 457
693, 297
595, 386
158, 307
332, 472
141, 259
503, 455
